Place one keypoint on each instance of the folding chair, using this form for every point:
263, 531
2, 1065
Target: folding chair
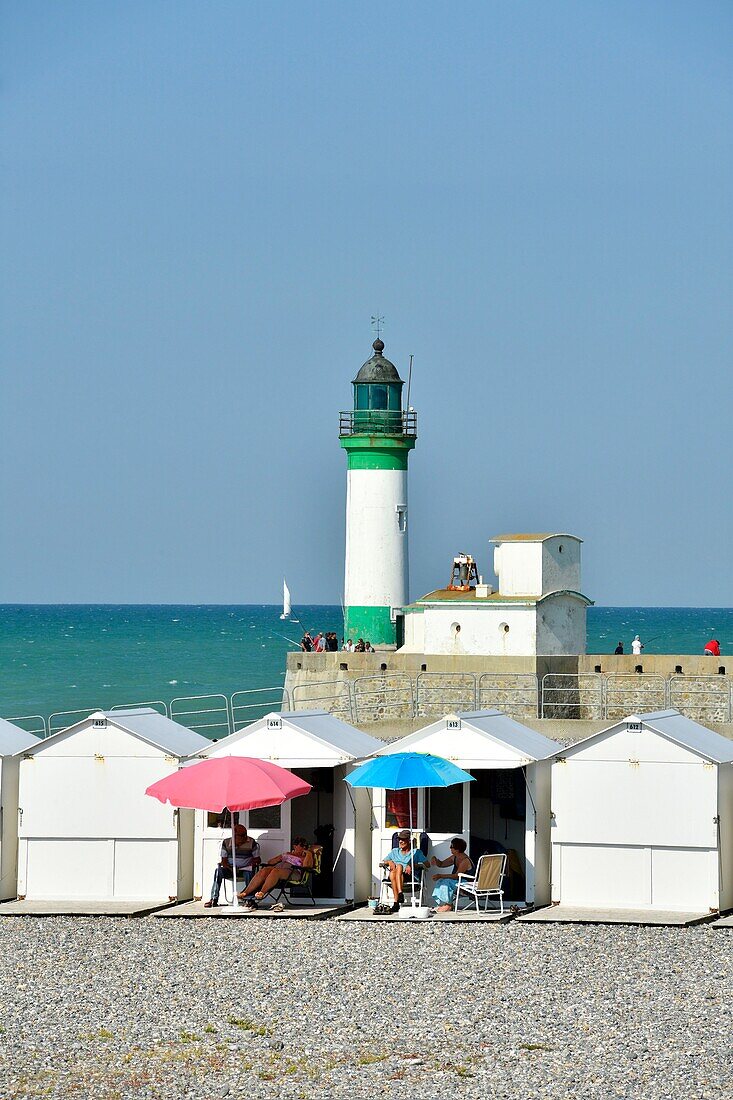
486, 882
412, 885
301, 877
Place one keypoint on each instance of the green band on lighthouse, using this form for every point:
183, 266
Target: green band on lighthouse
373, 624
377, 452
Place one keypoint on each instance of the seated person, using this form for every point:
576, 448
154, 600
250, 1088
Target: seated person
286, 866
459, 863
402, 862
246, 856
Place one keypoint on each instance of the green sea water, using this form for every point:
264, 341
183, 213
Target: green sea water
61, 657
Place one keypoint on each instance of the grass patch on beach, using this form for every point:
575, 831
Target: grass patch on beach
529, 1047
249, 1025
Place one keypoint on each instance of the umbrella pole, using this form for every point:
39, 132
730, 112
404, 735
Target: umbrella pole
412, 850
235, 896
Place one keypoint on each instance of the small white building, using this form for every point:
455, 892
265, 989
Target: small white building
643, 817
87, 830
13, 740
321, 749
537, 609
506, 808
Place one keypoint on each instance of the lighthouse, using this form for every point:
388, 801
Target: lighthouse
377, 435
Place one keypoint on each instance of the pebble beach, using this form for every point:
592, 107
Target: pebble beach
121, 1008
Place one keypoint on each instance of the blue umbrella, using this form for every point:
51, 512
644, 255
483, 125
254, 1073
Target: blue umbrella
401, 770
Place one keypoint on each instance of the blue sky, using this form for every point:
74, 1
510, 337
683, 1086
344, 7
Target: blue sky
203, 204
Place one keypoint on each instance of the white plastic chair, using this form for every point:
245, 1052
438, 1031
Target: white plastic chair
486, 882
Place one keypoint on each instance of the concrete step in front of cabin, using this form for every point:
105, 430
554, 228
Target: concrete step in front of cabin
571, 914
81, 908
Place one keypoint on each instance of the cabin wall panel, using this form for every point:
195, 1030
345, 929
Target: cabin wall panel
644, 745
9, 768
684, 879
68, 868
107, 741
84, 797
725, 810
607, 876
621, 803
144, 868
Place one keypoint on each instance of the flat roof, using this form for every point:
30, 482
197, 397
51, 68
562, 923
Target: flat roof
496, 599
445, 595
542, 537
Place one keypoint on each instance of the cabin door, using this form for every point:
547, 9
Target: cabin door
446, 813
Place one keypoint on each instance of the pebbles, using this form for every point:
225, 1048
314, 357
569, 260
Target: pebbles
123, 1008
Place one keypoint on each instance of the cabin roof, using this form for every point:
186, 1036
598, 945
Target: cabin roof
675, 727
14, 739
143, 722
317, 725
493, 725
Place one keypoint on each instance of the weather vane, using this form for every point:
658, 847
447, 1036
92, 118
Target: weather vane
377, 322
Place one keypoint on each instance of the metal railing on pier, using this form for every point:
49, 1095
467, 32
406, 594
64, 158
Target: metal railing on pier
245, 708
400, 695
206, 714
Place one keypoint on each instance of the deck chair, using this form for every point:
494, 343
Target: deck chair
301, 877
486, 882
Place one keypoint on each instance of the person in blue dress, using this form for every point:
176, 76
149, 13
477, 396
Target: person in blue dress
447, 885
402, 863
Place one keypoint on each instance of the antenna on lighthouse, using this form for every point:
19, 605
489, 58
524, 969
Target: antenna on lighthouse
409, 382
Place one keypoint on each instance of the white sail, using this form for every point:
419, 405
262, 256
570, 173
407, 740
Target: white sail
287, 606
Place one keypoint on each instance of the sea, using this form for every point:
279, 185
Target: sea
62, 657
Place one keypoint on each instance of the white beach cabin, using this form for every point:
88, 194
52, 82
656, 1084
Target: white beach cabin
13, 740
506, 808
321, 749
643, 817
87, 829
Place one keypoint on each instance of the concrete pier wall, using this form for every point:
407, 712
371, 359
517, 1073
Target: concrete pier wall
376, 687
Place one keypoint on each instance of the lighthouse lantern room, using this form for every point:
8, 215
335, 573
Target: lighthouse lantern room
377, 435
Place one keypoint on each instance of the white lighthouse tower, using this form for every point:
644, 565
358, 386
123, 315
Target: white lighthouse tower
377, 436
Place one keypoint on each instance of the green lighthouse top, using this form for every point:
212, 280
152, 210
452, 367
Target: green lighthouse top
378, 369
378, 397
377, 433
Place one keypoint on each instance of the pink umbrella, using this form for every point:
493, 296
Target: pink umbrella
229, 783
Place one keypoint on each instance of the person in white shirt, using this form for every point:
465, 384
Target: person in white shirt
637, 646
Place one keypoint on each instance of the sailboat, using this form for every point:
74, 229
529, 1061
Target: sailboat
287, 606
